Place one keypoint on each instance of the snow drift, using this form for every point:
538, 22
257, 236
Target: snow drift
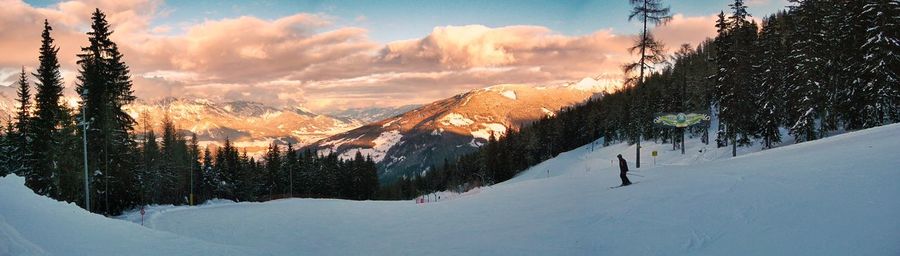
35, 225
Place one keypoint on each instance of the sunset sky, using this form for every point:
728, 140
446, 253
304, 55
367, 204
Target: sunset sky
340, 54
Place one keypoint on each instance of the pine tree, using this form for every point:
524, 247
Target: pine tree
369, 178
357, 167
491, 163
808, 79
881, 51
24, 137
331, 177
194, 167
683, 62
7, 150
274, 177
852, 60
290, 168
724, 75
771, 72
68, 161
52, 124
702, 89
735, 80
105, 87
150, 176
173, 173
23, 113
308, 176
226, 169
209, 178
251, 178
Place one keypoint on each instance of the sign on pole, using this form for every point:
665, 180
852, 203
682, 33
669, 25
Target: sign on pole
681, 120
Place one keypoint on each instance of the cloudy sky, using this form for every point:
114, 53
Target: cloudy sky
327, 55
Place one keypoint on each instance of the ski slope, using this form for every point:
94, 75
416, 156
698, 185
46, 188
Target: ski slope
35, 225
835, 196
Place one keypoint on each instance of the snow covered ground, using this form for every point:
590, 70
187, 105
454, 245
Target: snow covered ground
36, 225
835, 196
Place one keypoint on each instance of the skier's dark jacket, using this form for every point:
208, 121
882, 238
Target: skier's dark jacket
623, 166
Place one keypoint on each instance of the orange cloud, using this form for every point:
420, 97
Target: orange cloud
686, 30
304, 59
285, 60
22, 24
250, 50
456, 48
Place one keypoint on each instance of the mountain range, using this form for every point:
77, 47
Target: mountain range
412, 142
249, 125
403, 140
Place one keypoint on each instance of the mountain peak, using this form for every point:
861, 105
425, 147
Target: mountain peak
412, 141
600, 83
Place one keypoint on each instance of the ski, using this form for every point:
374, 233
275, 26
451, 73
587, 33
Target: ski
619, 186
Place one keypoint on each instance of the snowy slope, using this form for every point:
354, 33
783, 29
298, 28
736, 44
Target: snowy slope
36, 225
835, 196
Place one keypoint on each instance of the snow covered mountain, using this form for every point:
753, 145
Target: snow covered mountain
834, 196
414, 141
6, 111
250, 125
7, 104
373, 114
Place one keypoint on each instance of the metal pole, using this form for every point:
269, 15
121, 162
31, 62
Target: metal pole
637, 155
85, 125
683, 105
191, 173
291, 182
674, 141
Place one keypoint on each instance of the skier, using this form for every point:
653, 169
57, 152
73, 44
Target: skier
623, 168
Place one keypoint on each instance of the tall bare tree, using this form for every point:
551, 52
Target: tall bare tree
648, 12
